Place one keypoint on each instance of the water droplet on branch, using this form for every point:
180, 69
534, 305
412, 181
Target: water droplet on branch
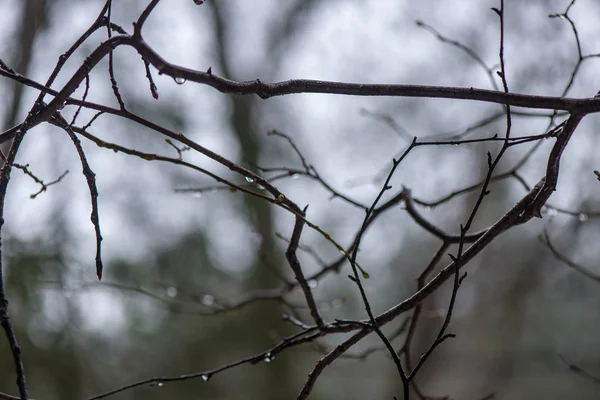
208, 300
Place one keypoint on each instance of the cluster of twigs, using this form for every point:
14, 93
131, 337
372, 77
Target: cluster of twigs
468, 243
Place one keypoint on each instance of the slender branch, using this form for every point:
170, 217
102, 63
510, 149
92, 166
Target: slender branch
297, 268
4, 315
579, 371
267, 90
356, 277
327, 360
137, 26
305, 336
582, 270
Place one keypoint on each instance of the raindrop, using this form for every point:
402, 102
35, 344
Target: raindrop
171, 291
205, 377
179, 80
552, 212
197, 195
269, 357
295, 176
343, 252
336, 303
455, 144
199, 2
159, 384
313, 283
208, 300
583, 217
249, 180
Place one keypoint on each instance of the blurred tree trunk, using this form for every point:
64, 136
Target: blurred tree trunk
34, 20
277, 383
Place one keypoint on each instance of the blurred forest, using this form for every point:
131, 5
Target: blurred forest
182, 251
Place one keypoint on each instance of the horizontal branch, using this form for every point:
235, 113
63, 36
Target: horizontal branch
297, 86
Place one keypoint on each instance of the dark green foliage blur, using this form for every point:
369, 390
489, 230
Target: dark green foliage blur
518, 308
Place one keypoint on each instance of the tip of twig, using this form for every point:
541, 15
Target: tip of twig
99, 269
154, 91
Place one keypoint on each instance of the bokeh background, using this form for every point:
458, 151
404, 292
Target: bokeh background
170, 256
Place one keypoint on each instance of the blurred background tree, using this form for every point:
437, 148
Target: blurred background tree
175, 257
